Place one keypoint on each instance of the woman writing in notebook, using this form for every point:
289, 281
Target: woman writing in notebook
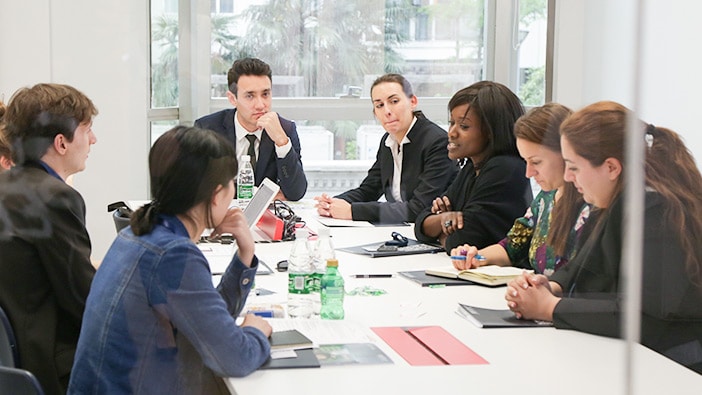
544, 239
153, 321
586, 294
490, 191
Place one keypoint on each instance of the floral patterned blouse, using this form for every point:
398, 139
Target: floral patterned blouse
526, 241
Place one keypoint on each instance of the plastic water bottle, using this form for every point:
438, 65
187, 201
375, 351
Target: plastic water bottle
323, 250
332, 292
300, 277
245, 182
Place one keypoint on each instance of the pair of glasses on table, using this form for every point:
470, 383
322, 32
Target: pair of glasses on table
398, 240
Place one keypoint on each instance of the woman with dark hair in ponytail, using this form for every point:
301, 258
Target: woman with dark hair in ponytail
153, 321
586, 294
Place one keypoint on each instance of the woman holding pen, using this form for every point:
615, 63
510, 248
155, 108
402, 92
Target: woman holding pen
544, 239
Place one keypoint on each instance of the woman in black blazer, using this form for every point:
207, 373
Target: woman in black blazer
491, 189
411, 166
586, 294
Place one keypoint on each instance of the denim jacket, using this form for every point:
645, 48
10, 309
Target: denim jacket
154, 323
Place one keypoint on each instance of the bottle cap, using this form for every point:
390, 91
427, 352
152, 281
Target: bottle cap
332, 263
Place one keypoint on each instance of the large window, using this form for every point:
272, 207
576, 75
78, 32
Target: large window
325, 55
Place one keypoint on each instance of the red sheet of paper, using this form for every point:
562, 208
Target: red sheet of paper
428, 345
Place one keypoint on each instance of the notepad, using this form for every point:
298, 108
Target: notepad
489, 318
304, 359
425, 280
490, 275
289, 339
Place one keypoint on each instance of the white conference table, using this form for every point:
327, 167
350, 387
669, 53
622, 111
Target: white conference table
521, 360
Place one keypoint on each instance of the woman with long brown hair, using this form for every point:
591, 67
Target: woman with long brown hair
586, 294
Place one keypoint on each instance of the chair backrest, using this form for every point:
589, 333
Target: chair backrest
120, 214
19, 382
8, 344
121, 219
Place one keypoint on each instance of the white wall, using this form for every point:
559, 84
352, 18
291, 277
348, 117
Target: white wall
101, 48
595, 59
672, 70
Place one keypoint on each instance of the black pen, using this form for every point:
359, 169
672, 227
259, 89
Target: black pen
373, 275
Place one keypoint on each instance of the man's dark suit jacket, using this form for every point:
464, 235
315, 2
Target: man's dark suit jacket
286, 172
45, 270
426, 172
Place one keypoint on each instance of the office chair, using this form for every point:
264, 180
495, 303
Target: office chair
19, 382
8, 345
121, 214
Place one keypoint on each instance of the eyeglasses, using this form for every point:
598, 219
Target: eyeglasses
398, 240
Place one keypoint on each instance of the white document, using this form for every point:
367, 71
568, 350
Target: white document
325, 331
333, 222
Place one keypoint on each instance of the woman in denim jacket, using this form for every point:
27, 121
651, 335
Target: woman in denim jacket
153, 322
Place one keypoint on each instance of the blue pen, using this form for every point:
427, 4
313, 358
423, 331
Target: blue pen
463, 257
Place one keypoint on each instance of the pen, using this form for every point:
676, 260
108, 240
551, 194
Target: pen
373, 275
463, 257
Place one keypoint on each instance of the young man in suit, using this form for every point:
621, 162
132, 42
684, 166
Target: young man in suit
253, 129
45, 268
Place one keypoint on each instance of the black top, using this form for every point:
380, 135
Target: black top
490, 202
45, 270
426, 172
671, 320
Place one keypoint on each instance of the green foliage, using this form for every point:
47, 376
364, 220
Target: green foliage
351, 150
532, 10
532, 91
328, 44
164, 73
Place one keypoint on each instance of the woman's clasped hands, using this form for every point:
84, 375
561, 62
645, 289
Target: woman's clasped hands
333, 207
530, 296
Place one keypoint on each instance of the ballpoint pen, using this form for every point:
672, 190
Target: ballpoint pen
463, 257
373, 275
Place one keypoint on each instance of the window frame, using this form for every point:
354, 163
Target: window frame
501, 65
